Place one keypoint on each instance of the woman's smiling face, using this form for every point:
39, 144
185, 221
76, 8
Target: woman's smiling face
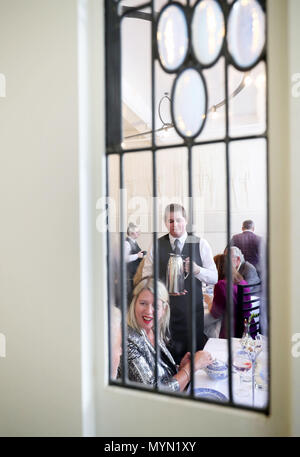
144, 310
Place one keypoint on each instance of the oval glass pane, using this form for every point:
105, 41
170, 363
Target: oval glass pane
172, 37
208, 30
246, 32
189, 103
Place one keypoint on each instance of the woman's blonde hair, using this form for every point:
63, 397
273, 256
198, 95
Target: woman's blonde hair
139, 272
162, 294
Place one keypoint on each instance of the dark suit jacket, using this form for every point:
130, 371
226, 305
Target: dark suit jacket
249, 274
249, 244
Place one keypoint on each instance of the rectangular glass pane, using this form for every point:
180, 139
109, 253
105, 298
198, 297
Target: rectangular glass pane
215, 122
247, 109
209, 185
138, 198
163, 88
171, 181
136, 81
114, 228
248, 190
138, 227
172, 189
114, 271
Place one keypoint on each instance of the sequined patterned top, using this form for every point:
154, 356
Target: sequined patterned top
141, 362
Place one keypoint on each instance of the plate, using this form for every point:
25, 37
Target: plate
210, 394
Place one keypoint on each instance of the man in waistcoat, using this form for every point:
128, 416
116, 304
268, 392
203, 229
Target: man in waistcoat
204, 269
133, 255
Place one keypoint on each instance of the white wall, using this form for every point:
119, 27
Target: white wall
39, 243
294, 188
178, 418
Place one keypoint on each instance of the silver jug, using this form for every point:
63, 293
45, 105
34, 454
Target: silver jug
175, 274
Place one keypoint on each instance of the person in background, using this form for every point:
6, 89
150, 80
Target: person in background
133, 255
249, 243
115, 339
244, 268
141, 341
218, 303
204, 269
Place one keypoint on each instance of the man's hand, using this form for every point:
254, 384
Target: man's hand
208, 300
196, 268
179, 293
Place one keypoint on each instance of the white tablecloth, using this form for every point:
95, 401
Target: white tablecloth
212, 326
218, 348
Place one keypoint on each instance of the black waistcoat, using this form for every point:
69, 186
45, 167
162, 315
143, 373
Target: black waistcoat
132, 266
180, 305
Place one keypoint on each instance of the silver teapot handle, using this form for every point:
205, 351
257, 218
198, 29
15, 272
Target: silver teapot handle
186, 274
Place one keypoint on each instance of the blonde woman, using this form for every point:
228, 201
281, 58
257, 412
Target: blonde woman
141, 341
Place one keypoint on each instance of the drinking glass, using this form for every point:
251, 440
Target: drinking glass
260, 371
242, 364
253, 348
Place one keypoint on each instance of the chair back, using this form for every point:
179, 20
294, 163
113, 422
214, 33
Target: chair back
248, 302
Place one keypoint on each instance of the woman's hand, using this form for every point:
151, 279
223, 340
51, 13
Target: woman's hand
185, 359
202, 359
208, 300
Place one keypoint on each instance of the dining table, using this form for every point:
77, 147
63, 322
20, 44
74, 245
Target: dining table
218, 390
212, 326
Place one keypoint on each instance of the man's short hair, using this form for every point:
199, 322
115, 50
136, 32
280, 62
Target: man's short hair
174, 208
248, 225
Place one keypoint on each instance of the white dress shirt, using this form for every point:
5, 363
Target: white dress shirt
208, 272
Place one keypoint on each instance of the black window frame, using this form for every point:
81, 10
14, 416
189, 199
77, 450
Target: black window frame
114, 13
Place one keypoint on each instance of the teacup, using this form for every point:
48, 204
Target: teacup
217, 370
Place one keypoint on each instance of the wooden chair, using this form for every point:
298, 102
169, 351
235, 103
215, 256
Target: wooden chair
247, 303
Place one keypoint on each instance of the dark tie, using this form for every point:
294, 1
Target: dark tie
176, 247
